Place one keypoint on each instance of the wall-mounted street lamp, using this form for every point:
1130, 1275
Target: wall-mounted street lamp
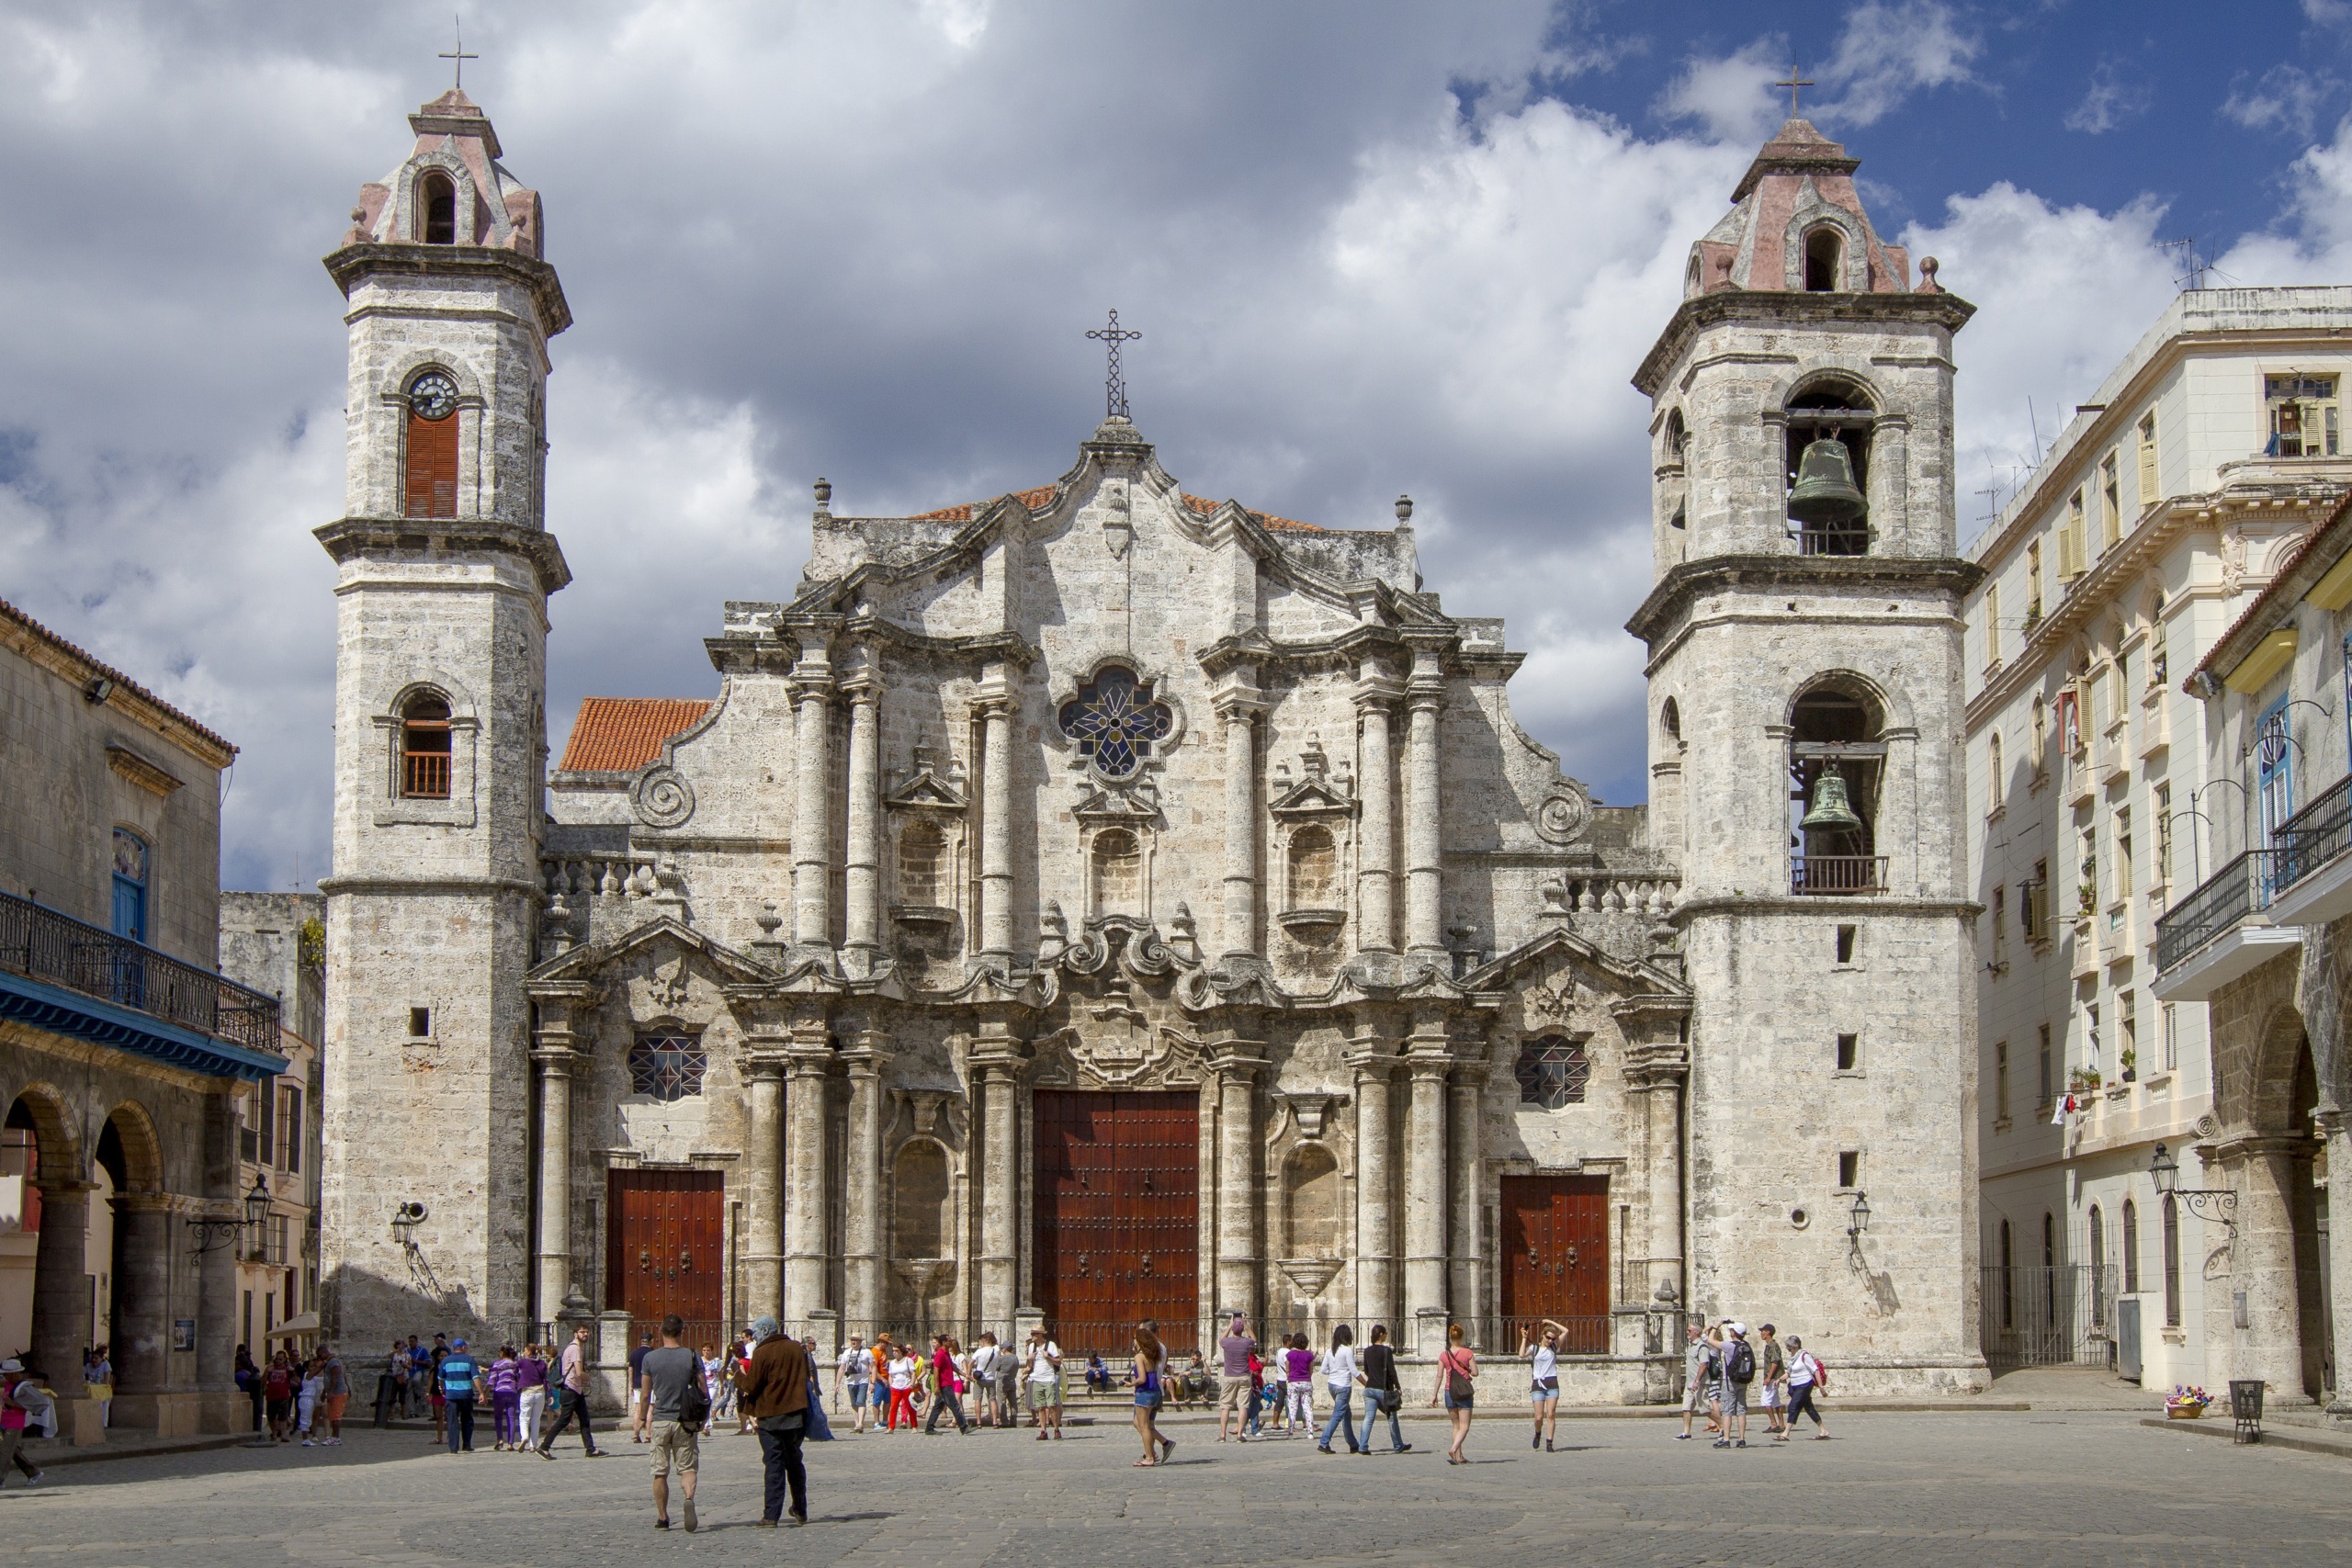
211, 1235
1860, 1220
2205, 1202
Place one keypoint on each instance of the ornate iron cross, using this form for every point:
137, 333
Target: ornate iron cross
1114, 388
1114, 721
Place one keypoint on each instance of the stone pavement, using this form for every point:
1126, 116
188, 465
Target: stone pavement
2080, 1489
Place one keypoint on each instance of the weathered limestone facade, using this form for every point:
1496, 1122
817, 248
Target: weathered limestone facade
1107, 816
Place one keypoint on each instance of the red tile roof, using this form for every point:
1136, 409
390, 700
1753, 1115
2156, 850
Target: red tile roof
2260, 611
1033, 499
623, 734
43, 634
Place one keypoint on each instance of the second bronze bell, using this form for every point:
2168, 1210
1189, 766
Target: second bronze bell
1825, 493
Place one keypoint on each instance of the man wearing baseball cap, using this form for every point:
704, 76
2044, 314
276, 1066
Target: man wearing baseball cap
461, 1384
1738, 1364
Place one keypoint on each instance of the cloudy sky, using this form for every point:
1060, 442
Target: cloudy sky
1375, 247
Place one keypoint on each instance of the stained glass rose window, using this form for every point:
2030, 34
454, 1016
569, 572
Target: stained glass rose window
1115, 722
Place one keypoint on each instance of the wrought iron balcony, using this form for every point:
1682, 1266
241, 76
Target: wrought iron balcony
1851, 876
2318, 833
2244, 886
42, 943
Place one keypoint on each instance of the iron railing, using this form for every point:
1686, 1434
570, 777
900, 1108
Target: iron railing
2316, 834
41, 943
1833, 875
2244, 886
2058, 1315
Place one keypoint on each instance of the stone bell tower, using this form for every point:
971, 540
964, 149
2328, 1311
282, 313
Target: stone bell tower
1805, 699
444, 570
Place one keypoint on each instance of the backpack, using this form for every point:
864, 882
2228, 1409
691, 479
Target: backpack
694, 1405
1740, 1364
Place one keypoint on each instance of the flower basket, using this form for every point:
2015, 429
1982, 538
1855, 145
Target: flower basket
2184, 1409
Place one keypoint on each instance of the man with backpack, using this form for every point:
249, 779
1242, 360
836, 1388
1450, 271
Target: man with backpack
1739, 1362
675, 1403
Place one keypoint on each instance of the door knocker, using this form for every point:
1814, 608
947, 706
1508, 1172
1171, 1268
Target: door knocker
644, 1259
687, 1260
1081, 1266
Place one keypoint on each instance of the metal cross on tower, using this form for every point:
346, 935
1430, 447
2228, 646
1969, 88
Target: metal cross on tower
459, 53
1114, 388
1792, 83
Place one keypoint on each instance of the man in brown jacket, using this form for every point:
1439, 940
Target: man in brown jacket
775, 1395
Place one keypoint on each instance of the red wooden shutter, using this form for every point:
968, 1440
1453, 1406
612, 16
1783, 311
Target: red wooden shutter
432, 489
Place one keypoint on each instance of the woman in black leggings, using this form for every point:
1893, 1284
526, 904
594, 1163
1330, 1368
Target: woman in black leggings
1805, 1377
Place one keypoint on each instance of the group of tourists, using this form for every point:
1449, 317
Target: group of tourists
297, 1396
1274, 1389
1721, 1365
889, 1383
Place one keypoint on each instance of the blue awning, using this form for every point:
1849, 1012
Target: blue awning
62, 1012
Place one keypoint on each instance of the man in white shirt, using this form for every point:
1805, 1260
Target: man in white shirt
984, 1359
1045, 1384
854, 1374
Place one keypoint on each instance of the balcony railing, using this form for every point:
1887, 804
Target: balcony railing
40, 943
1846, 876
2244, 886
2316, 834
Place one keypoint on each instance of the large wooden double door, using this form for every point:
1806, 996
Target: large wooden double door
666, 1248
1117, 1220
1556, 1256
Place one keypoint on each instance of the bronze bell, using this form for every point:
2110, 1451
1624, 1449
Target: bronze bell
1825, 493
1830, 812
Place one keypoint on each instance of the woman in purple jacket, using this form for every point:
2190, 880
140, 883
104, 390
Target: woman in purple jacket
505, 1382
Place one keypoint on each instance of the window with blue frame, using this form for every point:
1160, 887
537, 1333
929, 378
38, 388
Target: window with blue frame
2274, 755
130, 884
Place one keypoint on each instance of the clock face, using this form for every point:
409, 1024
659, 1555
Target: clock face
432, 396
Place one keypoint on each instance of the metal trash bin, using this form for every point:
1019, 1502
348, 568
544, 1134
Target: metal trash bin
2245, 1408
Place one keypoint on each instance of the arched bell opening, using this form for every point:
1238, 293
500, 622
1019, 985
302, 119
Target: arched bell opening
1829, 469
1836, 767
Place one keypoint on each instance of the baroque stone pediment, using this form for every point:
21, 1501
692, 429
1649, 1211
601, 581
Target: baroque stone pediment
658, 939
1117, 1051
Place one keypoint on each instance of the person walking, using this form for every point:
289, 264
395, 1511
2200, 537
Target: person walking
671, 1393
439, 1353
1256, 1423
1045, 1384
775, 1396
1233, 1397
504, 1382
572, 1391
278, 1386
1298, 1383
1339, 1381
1457, 1372
640, 1420
853, 1378
334, 1395
1738, 1365
1152, 1359
904, 1371
463, 1387
1775, 1371
720, 1387
1698, 1376
1807, 1377
530, 1396
391, 1389
991, 1410
25, 1410
1382, 1392
885, 1352
1543, 1353
948, 1379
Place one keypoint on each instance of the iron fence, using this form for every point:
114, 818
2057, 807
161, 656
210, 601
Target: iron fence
2316, 834
42, 943
2059, 1316
2244, 886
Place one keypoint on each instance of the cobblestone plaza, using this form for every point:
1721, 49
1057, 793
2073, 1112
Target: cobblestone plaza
2083, 1488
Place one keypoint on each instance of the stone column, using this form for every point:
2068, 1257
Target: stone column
1465, 1250
2272, 1341
1239, 710
1375, 853
1235, 1064
553, 1065
142, 1296
807, 1203
1890, 497
1423, 876
863, 880
996, 1059
2339, 1245
61, 1291
996, 706
763, 1184
812, 822
222, 1409
1657, 1074
1375, 1182
862, 1277
1425, 1200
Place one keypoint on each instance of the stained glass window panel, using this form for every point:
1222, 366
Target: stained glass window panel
1115, 722
1552, 1072
667, 1066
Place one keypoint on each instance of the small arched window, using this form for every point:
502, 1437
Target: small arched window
1835, 764
2172, 1263
424, 748
437, 207
1552, 1072
922, 849
431, 480
2131, 1247
1670, 720
1825, 261
2008, 1287
1117, 871
2098, 1268
1677, 437
1314, 868
1997, 783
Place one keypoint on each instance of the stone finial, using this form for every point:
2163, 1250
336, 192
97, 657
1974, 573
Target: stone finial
1928, 284
1404, 510
1053, 932
1555, 900
824, 489
1181, 936
768, 921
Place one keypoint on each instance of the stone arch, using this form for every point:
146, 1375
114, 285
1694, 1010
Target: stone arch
42, 1107
1851, 386
2285, 1086
1824, 258
1885, 702
923, 1190
139, 1166
1312, 875
1311, 1202
1805, 227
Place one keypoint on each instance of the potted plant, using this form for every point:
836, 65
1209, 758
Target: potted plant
2131, 1065
2082, 1081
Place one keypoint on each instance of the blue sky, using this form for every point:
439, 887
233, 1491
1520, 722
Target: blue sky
1375, 247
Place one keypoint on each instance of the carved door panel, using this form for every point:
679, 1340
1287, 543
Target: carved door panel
665, 1251
1556, 1256
1116, 1219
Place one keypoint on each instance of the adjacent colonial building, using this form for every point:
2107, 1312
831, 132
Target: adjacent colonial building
123, 1052
276, 943
1107, 901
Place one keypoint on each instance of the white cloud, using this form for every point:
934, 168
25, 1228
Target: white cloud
2287, 98
2313, 241
1887, 52
1731, 96
2112, 98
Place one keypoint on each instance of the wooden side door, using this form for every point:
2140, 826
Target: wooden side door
665, 1246
1556, 1256
1116, 1217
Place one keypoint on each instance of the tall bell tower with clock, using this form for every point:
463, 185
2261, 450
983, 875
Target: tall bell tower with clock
443, 567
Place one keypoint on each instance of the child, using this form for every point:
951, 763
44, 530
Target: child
1298, 1367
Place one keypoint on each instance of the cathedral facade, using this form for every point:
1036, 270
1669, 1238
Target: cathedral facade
1104, 902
